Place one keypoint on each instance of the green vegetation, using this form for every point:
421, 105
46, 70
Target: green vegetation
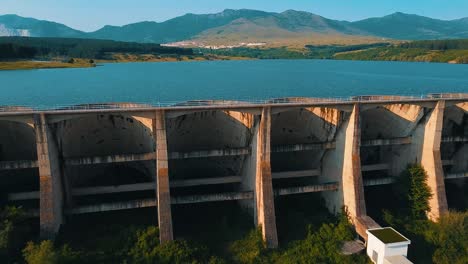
256, 53
14, 232
443, 242
452, 51
27, 65
46, 48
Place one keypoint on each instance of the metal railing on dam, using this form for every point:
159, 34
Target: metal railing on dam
236, 103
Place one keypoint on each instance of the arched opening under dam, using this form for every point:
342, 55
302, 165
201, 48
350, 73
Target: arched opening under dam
300, 138
454, 154
386, 151
207, 152
107, 158
18, 162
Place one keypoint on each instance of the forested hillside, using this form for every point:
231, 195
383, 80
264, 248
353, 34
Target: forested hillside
29, 48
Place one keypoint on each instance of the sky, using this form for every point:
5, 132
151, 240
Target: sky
90, 15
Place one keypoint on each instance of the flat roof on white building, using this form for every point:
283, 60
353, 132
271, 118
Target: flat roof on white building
388, 235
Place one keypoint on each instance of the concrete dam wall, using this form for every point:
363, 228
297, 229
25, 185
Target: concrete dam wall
61, 162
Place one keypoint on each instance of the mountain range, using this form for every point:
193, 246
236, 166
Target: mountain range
235, 26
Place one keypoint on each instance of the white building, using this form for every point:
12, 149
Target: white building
387, 246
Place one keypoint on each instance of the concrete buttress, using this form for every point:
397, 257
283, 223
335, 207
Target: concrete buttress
353, 189
50, 182
432, 162
264, 197
162, 178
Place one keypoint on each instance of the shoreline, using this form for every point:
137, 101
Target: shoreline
91, 63
82, 63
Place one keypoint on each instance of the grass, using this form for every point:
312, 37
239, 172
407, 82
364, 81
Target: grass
30, 65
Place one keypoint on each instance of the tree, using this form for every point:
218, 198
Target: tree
147, 250
45, 253
251, 249
13, 232
413, 193
450, 237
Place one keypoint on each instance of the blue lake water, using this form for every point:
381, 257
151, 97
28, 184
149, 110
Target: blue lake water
261, 79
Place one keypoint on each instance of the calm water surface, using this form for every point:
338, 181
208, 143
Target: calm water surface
262, 79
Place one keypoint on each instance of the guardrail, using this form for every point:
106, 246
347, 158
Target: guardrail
243, 102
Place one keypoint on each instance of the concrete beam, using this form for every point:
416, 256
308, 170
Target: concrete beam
151, 156
106, 207
212, 197
386, 142
210, 153
303, 147
97, 190
375, 167
333, 186
162, 178
18, 164
206, 181
110, 159
264, 197
144, 203
432, 162
454, 139
50, 183
379, 181
456, 175
295, 174
23, 196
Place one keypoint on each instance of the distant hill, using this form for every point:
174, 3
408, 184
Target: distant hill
413, 27
13, 25
235, 26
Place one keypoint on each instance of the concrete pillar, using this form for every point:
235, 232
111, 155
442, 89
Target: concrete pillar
343, 165
264, 197
432, 162
162, 178
353, 188
50, 184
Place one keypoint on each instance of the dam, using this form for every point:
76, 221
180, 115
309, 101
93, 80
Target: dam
62, 161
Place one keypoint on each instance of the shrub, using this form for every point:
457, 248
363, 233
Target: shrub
148, 250
251, 249
45, 253
450, 237
13, 232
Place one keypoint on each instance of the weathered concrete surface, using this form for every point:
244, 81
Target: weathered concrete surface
18, 164
231, 196
432, 162
51, 193
375, 167
353, 189
332, 186
295, 174
386, 142
162, 178
210, 153
302, 147
264, 197
379, 181
208, 144
110, 159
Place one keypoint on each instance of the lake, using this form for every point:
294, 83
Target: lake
256, 79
